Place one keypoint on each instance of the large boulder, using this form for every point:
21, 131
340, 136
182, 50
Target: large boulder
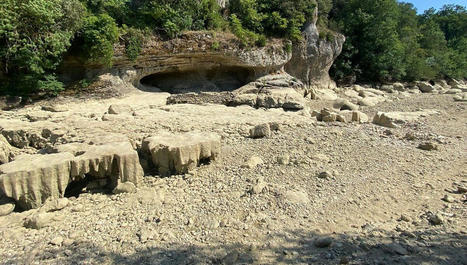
117, 161
180, 153
314, 55
31, 179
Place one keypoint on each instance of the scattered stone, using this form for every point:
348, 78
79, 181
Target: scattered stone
7, 206
55, 108
261, 131
453, 91
120, 109
395, 119
5, 150
398, 86
178, 154
425, 87
370, 101
436, 219
344, 104
461, 98
396, 249
38, 116
296, 197
57, 241
323, 242
325, 175
448, 198
253, 162
38, 220
56, 205
125, 187
358, 116
405, 218
258, 187
461, 189
428, 146
340, 118
283, 159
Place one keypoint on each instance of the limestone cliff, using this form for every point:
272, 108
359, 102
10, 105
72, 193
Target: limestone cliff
314, 55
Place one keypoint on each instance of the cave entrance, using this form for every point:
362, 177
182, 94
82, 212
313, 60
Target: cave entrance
201, 80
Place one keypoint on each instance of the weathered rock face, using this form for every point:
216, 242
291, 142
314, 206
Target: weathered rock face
194, 58
32, 179
271, 91
177, 154
314, 55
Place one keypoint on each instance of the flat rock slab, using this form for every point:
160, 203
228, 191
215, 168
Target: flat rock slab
180, 153
395, 119
32, 179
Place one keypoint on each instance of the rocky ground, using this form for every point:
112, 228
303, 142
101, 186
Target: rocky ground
311, 193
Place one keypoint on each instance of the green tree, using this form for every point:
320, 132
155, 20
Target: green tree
34, 34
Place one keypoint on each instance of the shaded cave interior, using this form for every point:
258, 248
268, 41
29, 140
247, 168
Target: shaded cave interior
216, 79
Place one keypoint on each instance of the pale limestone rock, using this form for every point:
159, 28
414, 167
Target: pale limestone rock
253, 162
5, 150
395, 119
344, 104
260, 131
398, 86
180, 153
370, 101
38, 220
324, 94
116, 161
120, 109
7, 205
125, 187
286, 98
296, 197
360, 117
32, 179
425, 87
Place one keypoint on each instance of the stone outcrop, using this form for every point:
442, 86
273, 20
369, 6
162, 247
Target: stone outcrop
191, 58
396, 119
22, 134
118, 162
32, 179
314, 55
178, 154
271, 91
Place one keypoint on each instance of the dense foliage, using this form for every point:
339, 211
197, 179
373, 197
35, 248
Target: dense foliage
386, 40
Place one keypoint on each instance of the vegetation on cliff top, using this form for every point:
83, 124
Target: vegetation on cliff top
386, 39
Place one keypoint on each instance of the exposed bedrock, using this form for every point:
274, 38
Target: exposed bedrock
314, 55
271, 91
32, 179
200, 60
177, 154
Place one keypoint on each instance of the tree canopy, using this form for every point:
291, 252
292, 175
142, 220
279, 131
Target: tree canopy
386, 39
